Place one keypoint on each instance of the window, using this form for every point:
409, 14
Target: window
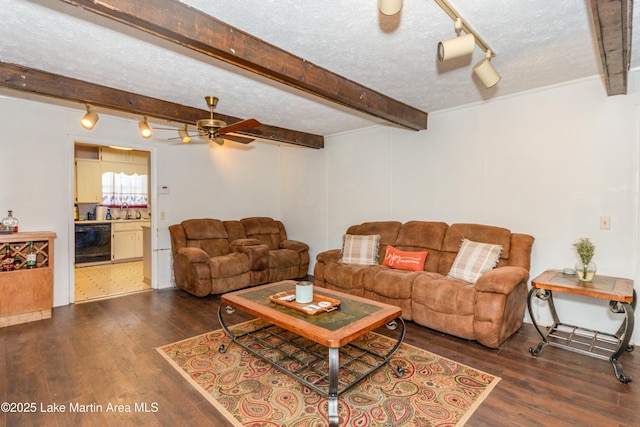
119, 189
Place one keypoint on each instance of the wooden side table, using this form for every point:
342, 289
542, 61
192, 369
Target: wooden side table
602, 345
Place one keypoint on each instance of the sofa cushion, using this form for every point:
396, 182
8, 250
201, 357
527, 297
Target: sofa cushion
477, 233
473, 260
229, 265
404, 260
388, 231
264, 229
207, 234
423, 236
360, 250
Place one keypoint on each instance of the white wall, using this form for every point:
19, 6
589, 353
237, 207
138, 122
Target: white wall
36, 167
547, 163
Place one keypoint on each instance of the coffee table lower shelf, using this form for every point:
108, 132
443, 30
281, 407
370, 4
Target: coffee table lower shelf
327, 370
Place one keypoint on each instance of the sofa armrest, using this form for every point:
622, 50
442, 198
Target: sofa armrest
194, 254
332, 255
502, 280
294, 245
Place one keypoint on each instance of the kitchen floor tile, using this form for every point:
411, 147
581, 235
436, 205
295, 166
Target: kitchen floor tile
109, 280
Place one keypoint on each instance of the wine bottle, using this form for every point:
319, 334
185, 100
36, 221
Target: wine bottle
6, 263
32, 256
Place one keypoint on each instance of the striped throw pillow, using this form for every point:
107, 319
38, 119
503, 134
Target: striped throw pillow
360, 250
474, 259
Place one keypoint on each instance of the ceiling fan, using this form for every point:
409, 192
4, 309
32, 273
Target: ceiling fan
217, 130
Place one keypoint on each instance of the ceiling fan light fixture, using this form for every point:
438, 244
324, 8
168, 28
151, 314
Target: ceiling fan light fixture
90, 119
485, 71
389, 7
145, 130
206, 124
184, 135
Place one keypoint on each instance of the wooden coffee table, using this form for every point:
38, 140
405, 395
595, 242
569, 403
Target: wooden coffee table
622, 299
310, 347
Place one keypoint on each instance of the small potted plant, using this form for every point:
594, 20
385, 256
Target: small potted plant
585, 268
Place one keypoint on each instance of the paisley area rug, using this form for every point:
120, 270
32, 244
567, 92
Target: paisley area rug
433, 391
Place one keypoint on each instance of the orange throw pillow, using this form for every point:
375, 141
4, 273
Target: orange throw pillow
404, 260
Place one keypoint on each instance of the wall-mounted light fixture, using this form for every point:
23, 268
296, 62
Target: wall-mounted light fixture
184, 135
90, 119
389, 7
144, 128
484, 69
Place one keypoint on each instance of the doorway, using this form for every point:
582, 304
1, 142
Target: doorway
111, 192
109, 280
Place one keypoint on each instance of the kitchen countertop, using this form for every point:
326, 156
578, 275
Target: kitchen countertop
109, 221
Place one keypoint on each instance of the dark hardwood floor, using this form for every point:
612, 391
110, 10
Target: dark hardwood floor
103, 353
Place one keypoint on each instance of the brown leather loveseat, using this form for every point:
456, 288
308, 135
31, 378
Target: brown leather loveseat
489, 310
211, 256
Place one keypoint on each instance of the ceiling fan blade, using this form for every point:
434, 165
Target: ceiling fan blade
239, 126
192, 142
237, 138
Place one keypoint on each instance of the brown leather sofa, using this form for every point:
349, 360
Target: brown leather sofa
211, 256
489, 310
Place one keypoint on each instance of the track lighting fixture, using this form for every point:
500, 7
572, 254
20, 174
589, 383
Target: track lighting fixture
90, 118
145, 130
389, 7
485, 72
184, 135
457, 46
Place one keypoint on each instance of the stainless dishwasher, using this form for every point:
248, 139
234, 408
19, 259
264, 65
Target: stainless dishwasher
93, 242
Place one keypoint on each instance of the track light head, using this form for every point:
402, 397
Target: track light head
90, 119
145, 130
184, 135
485, 72
389, 7
457, 46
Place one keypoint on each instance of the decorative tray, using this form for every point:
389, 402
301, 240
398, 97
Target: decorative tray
320, 303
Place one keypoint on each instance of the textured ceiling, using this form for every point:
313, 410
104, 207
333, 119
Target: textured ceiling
537, 43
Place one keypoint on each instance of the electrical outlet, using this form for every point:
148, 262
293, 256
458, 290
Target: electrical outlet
605, 223
163, 216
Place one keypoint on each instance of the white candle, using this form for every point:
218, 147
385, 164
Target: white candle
304, 292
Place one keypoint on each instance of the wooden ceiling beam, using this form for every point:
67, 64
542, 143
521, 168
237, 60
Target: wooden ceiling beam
612, 21
39, 82
189, 27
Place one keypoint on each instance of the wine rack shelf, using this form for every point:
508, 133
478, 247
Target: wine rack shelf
26, 295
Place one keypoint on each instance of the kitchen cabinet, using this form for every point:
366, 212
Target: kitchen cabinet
26, 295
123, 156
127, 240
88, 181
